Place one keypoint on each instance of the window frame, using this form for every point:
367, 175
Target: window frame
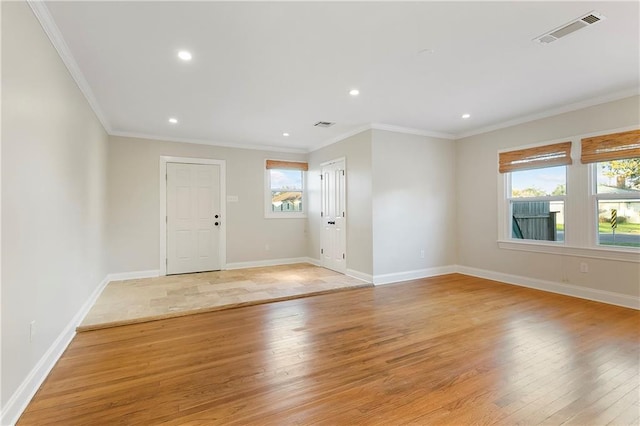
580, 238
268, 213
505, 238
594, 198
510, 199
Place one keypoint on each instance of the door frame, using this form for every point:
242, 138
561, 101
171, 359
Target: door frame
164, 159
346, 208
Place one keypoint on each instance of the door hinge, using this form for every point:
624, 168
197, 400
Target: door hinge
321, 214
166, 219
321, 177
343, 255
342, 214
321, 251
342, 172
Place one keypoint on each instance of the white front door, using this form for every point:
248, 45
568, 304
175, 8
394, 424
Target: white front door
334, 216
193, 218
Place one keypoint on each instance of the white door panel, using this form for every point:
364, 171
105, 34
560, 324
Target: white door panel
333, 200
193, 218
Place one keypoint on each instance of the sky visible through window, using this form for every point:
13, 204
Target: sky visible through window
286, 180
546, 180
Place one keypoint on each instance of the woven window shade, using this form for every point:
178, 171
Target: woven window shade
616, 146
290, 165
558, 154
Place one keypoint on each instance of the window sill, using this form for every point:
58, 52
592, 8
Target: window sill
285, 216
619, 254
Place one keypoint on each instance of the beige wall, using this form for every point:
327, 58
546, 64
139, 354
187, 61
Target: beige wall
357, 152
398, 187
77, 204
414, 202
134, 204
477, 201
54, 153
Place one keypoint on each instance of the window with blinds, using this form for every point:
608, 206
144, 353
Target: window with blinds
616, 146
614, 160
284, 183
537, 187
558, 154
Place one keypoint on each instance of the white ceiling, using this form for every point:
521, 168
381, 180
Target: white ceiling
263, 68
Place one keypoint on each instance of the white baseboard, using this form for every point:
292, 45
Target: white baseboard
359, 275
27, 389
603, 296
18, 402
121, 276
269, 262
413, 275
314, 262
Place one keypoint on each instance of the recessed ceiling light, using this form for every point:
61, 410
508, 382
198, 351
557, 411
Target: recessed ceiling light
285, 134
173, 120
426, 51
465, 116
354, 92
184, 55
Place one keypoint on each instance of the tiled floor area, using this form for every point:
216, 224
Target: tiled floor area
140, 300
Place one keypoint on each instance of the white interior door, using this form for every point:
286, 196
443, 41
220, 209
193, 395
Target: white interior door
193, 218
334, 216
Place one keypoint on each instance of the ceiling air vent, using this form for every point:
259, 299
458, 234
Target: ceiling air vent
573, 26
324, 124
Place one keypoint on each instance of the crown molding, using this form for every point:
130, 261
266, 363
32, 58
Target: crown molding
209, 143
340, 137
52, 31
411, 131
555, 111
381, 126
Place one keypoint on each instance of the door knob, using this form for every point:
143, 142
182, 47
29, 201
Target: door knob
216, 224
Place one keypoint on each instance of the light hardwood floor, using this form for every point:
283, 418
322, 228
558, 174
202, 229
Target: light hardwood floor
149, 299
446, 350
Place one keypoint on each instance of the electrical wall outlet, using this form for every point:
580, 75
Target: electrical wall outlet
584, 267
422, 254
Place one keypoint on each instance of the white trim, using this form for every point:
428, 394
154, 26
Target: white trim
411, 131
359, 275
335, 160
614, 253
338, 160
340, 137
164, 159
267, 148
268, 214
50, 28
602, 133
578, 240
18, 402
121, 276
552, 112
314, 262
413, 275
268, 262
381, 126
603, 296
